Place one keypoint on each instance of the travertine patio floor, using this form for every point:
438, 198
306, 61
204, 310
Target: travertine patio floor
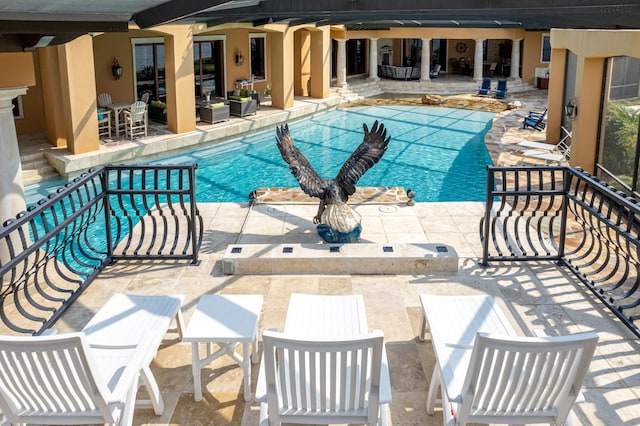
535, 295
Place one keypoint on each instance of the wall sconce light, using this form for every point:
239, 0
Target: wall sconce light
571, 109
116, 69
239, 57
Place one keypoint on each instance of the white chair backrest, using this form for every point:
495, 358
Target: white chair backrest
104, 99
145, 97
137, 111
323, 381
521, 380
47, 379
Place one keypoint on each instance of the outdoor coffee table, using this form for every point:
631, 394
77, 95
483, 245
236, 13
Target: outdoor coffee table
227, 321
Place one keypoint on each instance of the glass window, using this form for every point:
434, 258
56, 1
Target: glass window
150, 70
207, 67
545, 50
618, 157
258, 56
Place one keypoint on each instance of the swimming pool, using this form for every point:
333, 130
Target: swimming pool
437, 152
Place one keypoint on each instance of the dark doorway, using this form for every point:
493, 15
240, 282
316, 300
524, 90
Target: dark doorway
356, 56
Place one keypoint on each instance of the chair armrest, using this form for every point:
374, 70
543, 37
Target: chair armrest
118, 380
261, 386
458, 346
385, 380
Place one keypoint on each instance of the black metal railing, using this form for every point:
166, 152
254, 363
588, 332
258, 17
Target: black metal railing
53, 251
565, 215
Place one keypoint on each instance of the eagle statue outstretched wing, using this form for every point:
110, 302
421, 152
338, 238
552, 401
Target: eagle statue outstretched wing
368, 153
337, 190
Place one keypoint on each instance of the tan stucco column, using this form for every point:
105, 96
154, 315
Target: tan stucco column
180, 81
515, 58
589, 74
477, 60
282, 81
321, 63
341, 71
555, 94
373, 59
69, 95
11, 184
302, 62
51, 93
425, 61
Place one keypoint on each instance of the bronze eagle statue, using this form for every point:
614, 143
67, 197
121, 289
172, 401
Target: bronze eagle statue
334, 193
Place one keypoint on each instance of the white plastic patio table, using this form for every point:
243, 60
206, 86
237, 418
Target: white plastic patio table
117, 108
226, 320
311, 316
454, 322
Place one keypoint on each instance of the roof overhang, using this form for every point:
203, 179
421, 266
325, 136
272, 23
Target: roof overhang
25, 24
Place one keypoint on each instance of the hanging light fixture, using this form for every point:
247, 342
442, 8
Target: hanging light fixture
116, 69
239, 57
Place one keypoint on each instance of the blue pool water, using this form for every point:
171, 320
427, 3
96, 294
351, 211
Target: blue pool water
437, 152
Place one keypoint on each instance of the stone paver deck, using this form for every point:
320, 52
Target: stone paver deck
535, 295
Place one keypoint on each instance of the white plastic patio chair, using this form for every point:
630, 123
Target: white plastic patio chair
549, 153
135, 120
89, 377
104, 99
321, 381
515, 380
104, 123
61, 380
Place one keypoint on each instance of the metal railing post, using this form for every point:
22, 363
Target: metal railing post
566, 176
194, 221
487, 216
104, 177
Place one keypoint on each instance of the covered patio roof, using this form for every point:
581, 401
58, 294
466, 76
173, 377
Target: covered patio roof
31, 23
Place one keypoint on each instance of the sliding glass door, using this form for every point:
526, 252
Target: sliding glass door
150, 70
207, 68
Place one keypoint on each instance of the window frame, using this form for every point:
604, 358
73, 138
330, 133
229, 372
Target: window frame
140, 42
262, 36
545, 36
212, 38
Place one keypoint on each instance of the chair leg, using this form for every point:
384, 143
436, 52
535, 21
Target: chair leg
384, 415
264, 414
448, 414
126, 417
153, 390
433, 389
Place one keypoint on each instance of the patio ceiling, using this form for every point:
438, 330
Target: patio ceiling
26, 24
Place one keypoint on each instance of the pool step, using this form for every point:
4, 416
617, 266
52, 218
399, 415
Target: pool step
354, 258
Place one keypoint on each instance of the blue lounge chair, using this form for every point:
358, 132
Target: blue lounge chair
486, 87
535, 114
501, 90
435, 72
535, 121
